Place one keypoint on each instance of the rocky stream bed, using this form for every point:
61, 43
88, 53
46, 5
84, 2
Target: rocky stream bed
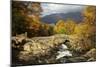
59, 48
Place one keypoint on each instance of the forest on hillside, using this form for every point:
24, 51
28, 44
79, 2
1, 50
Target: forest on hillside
37, 42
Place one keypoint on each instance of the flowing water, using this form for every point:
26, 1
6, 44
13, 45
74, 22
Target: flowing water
63, 51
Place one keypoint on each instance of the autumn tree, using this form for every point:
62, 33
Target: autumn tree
70, 26
44, 30
86, 29
60, 27
65, 27
25, 17
88, 26
89, 14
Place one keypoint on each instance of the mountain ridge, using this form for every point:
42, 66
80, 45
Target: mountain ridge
53, 18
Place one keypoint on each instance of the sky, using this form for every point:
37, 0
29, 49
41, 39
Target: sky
52, 8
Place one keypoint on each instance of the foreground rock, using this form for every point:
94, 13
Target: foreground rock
38, 48
59, 48
79, 45
91, 55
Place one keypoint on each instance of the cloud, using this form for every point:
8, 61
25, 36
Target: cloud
51, 8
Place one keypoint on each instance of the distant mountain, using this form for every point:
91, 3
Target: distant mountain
53, 18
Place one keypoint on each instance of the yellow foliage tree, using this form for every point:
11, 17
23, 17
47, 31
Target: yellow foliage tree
88, 26
60, 27
89, 14
70, 26
65, 27
85, 30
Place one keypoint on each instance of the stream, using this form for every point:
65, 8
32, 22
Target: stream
63, 51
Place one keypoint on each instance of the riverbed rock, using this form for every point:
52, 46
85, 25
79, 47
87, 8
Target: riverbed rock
43, 50
79, 45
38, 47
91, 55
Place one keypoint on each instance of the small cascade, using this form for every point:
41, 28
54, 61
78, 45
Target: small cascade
63, 51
